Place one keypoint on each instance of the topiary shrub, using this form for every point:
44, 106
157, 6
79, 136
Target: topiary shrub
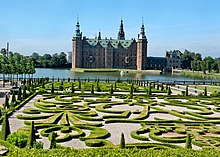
52, 138
5, 128
205, 91
32, 137
188, 142
122, 142
92, 89
38, 145
52, 88
6, 103
187, 91
169, 91
18, 139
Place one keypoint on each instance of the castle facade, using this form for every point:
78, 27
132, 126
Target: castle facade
109, 53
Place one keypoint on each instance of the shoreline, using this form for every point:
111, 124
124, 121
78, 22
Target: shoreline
115, 70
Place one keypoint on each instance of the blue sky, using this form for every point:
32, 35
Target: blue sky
47, 26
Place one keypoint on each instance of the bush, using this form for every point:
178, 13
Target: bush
38, 145
18, 139
42, 90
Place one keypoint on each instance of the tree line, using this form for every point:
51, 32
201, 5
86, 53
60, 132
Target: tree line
193, 61
50, 61
12, 64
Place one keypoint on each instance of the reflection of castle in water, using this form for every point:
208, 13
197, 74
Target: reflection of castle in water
139, 76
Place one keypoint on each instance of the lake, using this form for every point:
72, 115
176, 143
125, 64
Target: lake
66, 73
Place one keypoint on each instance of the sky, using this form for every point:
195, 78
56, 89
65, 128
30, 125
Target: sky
47, 26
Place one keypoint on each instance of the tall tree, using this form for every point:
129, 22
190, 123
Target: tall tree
5, 128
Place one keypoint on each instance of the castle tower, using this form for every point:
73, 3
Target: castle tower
77, 47
142, 49
121, 33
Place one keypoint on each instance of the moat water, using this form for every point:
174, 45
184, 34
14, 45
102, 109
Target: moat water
66, 73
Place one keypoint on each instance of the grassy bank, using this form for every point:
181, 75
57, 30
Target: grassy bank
209, 88
115, 70
115, 152
200, 75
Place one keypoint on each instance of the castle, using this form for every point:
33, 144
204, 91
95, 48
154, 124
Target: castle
109, 53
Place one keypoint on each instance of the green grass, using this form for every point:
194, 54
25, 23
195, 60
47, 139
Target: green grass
200, 74
209, 88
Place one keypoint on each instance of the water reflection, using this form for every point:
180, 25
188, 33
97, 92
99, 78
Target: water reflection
65, 73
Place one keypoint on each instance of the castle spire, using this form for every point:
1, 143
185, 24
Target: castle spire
121, 33
142, 33
99, 37
77, 32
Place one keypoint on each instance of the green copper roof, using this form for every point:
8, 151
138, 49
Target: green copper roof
114, 42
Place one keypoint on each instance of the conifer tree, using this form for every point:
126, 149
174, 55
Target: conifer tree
162, 87
149, 90
72, 88
32, 137
132, 89
5, 128
52, 140
98, 87
19, 94
205, 91
187, 90
92, 89
188, 141
24, 95
6, 104
122, 142
111, 89
79, 84
169, 91
158, 86
52, 88
13, 99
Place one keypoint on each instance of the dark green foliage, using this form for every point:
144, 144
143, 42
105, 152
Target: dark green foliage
169, 91
13, 99
132, 89
72, 88
92, 89
205, 91
122, 142
188, 142
149, 90
115, 87
154, 85
32, 137
52, 138
52, 88
158, 86
24, 94
187, 90
5, 128
19, 94
68, 79
6, 103
61, 86
98, 87
38, 145
79, 84
111, 89
18, 139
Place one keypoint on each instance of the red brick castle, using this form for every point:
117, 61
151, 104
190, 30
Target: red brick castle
109, 53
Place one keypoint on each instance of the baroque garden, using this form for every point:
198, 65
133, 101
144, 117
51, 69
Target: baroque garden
121, 114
